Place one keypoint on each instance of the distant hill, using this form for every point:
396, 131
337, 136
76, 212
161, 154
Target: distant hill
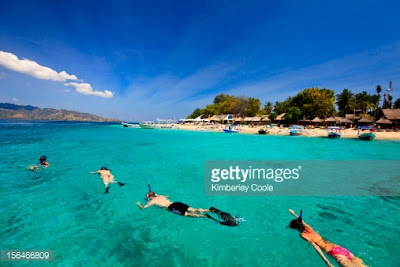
17, 112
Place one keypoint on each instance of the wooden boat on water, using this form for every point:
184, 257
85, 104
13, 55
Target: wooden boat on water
296, 130
130, 125
366, 133
231, 129
334, 132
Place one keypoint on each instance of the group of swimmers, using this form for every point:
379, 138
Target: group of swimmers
342, 255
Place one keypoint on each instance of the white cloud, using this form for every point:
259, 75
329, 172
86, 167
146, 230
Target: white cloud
29, 67
86, 89
15, 99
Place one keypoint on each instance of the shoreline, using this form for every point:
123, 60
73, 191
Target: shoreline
347, 133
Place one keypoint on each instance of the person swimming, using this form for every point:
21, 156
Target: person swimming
175, 207
185, 210
342, 255
43, 164
107, 177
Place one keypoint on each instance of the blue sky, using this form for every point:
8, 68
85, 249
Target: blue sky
139, 60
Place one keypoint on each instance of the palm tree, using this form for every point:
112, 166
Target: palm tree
268, 107
345, 101
379, 90
390, 98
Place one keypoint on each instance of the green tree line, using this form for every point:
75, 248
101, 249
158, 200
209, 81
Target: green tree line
310, 103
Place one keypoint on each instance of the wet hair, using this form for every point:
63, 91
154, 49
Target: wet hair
297, 224
150, 194
103, 168
42, 158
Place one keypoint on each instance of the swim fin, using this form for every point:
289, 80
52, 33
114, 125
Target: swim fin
208, 216
228, 219
121, 184
107, 188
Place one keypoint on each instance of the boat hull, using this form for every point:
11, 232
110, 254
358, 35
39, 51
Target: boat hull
230, 131
262, 132
146, 126
334, 136
295, 133
130, 125
367, 136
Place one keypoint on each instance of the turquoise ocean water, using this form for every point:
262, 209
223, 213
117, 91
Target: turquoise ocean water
63, 208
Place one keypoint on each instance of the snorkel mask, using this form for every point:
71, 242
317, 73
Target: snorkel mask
298, 223
43, 158
146, 198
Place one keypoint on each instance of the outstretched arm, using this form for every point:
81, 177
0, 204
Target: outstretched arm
145, 206
316, 247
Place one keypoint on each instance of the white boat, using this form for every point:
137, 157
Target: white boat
165, 124
147, 125
231, 129
130, 125
296, 130
334, 132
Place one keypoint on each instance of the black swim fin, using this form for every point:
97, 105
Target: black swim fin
228, 219
107, 188
121, 184
208, 216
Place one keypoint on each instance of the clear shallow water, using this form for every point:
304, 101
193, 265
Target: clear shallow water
63, 208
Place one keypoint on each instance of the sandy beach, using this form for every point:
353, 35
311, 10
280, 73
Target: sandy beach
347, 133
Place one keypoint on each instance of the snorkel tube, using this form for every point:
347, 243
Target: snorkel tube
146, 198
105, 166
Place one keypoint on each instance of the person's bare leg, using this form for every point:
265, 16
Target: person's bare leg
197, 210
107, 188
191, 214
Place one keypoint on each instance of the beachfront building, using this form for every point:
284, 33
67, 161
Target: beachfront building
238, 120
392, 114
265, 120
316, 122
280, 119
368, 120
384, 123
345, 122
331, 121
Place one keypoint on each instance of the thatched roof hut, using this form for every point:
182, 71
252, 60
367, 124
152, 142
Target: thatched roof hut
248, 119
331, 119
265, 118
383, 120
281, 117
366, 120
256, 119
345, 121
238, 119
392, 113
316, 120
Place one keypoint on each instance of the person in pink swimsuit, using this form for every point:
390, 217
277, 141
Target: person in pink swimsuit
342, 255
